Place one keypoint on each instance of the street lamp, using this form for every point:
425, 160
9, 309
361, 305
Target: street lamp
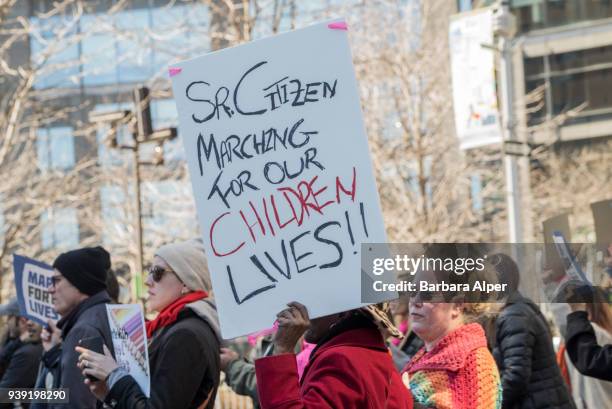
142, 132
504, 27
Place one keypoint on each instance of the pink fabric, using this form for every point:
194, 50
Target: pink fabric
174, 71
254, 337
340, 25
303, 357
403, 328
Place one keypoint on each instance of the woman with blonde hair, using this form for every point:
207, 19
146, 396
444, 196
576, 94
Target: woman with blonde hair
454, 369
183, 334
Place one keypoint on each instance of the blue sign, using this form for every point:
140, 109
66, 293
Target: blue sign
33, 280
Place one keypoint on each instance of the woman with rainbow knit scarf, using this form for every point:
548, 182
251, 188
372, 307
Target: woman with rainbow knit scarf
185, 332
454, 370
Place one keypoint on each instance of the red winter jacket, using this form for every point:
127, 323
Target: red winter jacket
353, 370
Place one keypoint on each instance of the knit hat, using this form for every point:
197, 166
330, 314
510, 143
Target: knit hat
188, 261
85, 268
11, 308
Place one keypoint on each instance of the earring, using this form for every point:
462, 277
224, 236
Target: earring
184, 291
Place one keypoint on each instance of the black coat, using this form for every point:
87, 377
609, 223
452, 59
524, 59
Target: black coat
185, 368
88, 319
524, 353
403, 353
49, 373
587, 356
22, 367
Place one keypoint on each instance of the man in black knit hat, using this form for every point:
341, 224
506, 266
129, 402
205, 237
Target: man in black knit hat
79, 296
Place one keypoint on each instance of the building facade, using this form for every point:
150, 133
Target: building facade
562, 71
89, 56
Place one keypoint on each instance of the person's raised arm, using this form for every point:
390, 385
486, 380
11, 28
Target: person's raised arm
587, 356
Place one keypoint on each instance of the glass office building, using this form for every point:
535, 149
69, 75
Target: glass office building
564, 49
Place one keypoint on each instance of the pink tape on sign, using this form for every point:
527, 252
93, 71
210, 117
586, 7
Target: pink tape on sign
340, 25
174, 71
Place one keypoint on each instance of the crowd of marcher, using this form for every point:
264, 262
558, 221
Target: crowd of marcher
422, 351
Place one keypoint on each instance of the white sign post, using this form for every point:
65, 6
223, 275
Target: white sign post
281, 173
477, 119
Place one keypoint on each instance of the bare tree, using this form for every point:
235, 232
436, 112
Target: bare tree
35, 189
567, 176
402, 60
29, 190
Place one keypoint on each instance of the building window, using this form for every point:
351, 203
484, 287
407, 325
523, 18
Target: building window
126, 47
414, 183
476, 192
134, 45
54, 52
539, 14
464, 5
168, 211
60, 228
98, 51
55, 148
114, 216
569, 80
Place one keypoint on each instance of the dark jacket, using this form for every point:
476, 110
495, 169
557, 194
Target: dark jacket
88, 319
587, 356
184, 364
49, 373
525, 356
403, 353
351, 370
240, 376
6, 353
22, 367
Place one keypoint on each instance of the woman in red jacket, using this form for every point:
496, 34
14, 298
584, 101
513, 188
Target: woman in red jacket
350, 368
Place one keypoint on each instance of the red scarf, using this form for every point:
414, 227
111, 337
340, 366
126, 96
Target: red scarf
169, 314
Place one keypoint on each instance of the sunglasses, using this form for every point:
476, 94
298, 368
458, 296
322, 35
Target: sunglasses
157, 273
427, 296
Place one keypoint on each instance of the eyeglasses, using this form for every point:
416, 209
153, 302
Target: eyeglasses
55, 280
157, 272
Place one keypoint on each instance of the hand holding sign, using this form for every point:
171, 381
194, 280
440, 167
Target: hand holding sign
94, 365
50, 336
96, 368
292, 323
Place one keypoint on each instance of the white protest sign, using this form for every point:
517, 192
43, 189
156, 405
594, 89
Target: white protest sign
32, 281
281, 173
477, 118
129, 336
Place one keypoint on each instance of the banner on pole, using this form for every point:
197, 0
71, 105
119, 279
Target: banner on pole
477, 117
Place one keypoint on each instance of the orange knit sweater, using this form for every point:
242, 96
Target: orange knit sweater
459, 373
